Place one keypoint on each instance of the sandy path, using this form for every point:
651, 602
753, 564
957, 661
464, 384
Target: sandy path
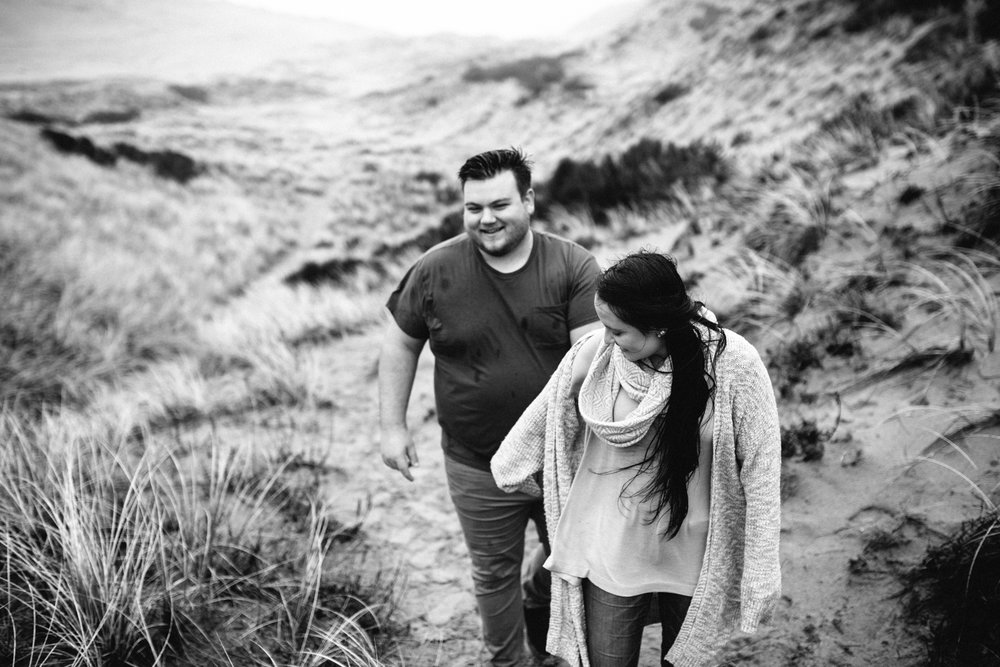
848, 530
412, 525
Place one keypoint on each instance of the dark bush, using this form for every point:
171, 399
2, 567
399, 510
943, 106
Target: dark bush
969, 79
111, 116
193, 93
535, 74
431, 177
38, 118
761, 33
670, 92
333, 271
642, 175
804, 439
576, 84
910, 194
451, 225
867, 14
166, 164
67, 143
956, 589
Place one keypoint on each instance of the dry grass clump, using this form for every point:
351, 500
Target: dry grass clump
855, 136
951, 52
767, 292
953, 288
113, 556
979, 226
955, 590
798, 215
64, 329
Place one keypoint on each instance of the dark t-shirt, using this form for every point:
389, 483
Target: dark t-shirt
496, 337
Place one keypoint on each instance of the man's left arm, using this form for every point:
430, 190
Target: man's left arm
583, 285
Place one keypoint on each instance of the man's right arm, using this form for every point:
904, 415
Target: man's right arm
397, 366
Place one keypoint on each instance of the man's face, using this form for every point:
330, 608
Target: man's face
496, 218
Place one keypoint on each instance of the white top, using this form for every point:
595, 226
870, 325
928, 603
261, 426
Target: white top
605, 535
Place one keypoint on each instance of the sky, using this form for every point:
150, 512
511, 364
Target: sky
502, 18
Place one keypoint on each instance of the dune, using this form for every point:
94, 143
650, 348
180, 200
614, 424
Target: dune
835, 244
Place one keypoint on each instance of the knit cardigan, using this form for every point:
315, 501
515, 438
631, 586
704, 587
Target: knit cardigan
740, 578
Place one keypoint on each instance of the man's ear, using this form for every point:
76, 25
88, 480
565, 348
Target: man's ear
529, 201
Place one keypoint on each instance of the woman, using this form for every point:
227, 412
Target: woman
659, 448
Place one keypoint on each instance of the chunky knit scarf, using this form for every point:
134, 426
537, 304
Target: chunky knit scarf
649, 388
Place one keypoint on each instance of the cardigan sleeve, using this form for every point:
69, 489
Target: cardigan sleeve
758, 452
521, 455
519, 459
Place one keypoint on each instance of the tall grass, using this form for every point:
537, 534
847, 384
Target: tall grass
119, 556
953, 287
953, 590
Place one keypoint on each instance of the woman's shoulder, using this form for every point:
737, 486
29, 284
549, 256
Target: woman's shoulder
739, 352
585, 353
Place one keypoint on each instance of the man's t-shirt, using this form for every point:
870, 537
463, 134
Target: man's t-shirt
496, 337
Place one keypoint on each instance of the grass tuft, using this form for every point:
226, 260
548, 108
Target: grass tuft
116, 556
954, 590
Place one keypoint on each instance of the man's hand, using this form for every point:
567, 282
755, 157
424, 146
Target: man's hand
399, 452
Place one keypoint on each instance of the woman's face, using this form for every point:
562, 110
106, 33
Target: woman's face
635, 345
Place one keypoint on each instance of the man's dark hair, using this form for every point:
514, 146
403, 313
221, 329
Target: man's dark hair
492, 163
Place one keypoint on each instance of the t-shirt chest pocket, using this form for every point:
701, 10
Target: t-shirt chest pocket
546, 326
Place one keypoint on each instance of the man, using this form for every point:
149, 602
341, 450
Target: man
500, 305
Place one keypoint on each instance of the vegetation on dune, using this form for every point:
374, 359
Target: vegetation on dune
955, 591
120, 319
968, 18
642, 175
117, 553
137, 312
536, 74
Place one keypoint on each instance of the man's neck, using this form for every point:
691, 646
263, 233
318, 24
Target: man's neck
513, 260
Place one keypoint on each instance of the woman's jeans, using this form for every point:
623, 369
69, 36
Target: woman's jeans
493, 523
615, 624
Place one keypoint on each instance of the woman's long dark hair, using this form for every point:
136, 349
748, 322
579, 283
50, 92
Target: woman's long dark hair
645, 291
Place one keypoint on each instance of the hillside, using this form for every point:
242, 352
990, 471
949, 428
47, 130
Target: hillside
205, 258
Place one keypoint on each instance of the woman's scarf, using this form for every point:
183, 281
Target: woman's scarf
648, 387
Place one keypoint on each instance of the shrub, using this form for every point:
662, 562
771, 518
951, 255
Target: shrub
981, 223
642, 175
860, 113
112, 116
977, 20
804, 439
955, 590
781, 239
670, 92
193, 93
535, 73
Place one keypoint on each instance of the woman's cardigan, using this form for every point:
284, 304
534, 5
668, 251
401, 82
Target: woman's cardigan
740, 577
